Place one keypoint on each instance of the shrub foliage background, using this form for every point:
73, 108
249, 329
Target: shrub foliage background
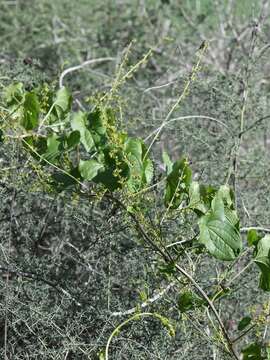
69, 265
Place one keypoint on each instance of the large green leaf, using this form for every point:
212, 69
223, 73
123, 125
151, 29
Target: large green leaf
73, 139
78, 122
101, 122
140, 166
45, 148
53, 151
262, 259
189, 301
195, 198
62, 102
178, 182
219, 232
227, 196
96, 122
30, 111
167, 162
147, 171
89, 169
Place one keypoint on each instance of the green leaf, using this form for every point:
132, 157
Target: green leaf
167, 162
195, 198
140, 167
62, 102
252, 352
177, 185
262, 259
39, 144
218, 232
30, 111
243, 323
134, 147
232, 217
189, 301
73, 139
78, 122
147, 171
52, 152
207, 193
268, 352
116, 170
227, 196
252, 237
99, 122
96, 123
46, 148
89, 169
101, 355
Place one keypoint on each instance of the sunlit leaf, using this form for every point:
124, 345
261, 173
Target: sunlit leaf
167, 162
62, 102
219, 233
140, 166
78, 122
195, 198
252, 237
52, 152
89, 169
177, 184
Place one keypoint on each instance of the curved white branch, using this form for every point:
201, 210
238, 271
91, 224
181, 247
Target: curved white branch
78, 67
158, 130
146, 303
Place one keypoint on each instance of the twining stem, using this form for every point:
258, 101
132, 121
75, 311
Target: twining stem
134, 317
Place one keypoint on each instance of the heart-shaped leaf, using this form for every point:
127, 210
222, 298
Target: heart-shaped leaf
196, 199
78, 122
62, 102
89, 169
219, 232
140, 167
